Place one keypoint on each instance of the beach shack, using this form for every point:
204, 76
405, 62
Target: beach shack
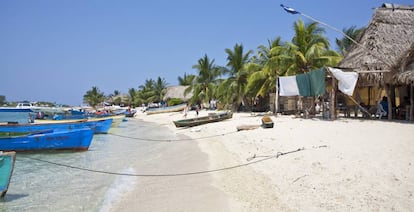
384, 60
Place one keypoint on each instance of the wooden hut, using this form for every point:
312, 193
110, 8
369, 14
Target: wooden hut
384, 55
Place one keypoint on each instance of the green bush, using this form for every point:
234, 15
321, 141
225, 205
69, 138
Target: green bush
174, 101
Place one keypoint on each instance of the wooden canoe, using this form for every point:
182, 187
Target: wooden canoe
212, 117
175, 108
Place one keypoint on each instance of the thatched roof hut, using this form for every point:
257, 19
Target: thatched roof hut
386, 50
177, 92
384, 54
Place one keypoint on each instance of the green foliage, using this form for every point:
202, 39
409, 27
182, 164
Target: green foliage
233, 89
174, 101
308, 50
186, 80
344, 43
94, 97
204, 85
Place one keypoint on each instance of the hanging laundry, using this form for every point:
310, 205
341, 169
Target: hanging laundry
303, 84
308, 84
317, 82
288, 86
346, 80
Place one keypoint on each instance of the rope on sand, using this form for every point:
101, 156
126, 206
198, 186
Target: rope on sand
278, 154
170, 140
169, 174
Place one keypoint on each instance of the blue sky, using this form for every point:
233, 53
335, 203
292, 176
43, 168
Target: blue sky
56, 50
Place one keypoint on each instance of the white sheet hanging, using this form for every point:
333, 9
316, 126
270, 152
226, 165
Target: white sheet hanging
288, 86
346, 80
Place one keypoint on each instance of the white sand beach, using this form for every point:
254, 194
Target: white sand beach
299, 165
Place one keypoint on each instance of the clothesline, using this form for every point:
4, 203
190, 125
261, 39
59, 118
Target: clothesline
313, 83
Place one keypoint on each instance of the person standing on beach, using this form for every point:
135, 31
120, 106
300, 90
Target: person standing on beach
197, 109
185, 111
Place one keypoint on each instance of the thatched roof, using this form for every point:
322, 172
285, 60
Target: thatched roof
177, 92
387, 44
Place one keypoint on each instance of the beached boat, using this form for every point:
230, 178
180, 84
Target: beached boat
169, 109
6, 170
267, 122
75, 139
212, 117
116, 119
98, 126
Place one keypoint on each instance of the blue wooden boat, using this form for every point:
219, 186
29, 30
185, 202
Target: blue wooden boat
15, 110
6, 170
75, 139
98, 126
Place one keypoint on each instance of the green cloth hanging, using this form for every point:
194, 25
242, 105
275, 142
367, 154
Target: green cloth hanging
304, 85
317, 82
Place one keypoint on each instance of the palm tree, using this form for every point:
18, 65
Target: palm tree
112, 99
203, 84
309, 49
186, 80
93, 97
159, 89
132, 93
344, 43
266, 67
232, 89
146, 92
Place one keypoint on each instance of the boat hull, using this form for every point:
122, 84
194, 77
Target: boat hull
7, 160
203, 120
116, 119
76, 139
169, 109
99, 126
14, 110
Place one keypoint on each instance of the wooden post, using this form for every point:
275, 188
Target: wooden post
277, 96
333, 97
387, 91
411, 103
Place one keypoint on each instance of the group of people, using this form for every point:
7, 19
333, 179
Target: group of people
382, 108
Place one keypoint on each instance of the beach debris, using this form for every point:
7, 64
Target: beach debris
247, 127
195, 129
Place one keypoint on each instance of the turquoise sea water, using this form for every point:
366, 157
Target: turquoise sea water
91, 180
20, 117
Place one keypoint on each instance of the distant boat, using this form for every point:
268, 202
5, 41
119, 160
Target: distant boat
75, 139
212, 117
116, 119
15, 110
98, 126
7, 160
267, 122
168, 109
